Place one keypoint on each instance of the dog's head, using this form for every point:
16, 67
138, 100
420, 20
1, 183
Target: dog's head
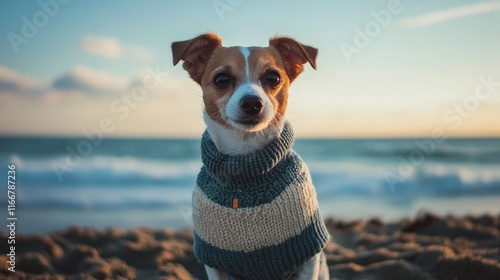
245, 88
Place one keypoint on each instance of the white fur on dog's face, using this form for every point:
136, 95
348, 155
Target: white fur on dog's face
247, 69
232, 110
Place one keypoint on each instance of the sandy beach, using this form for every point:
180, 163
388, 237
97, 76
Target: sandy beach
423, 247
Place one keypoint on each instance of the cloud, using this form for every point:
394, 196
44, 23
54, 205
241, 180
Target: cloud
11, 80
73, 101
84, 83
82, 78
109, 47
104, 46
451, 14
138, 53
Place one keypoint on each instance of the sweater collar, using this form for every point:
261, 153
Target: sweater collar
244, 171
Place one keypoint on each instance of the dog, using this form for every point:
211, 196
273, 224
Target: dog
255, 210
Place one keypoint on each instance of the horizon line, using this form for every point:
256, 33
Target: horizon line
178, 137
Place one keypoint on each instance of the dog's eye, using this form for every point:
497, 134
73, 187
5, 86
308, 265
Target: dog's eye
272, 78
222, 81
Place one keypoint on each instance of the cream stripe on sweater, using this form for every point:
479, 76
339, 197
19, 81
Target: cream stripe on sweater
247, 229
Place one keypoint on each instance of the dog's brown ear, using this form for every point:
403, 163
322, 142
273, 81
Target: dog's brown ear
195, 53
294, 54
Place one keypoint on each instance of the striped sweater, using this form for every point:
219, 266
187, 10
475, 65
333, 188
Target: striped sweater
256, 216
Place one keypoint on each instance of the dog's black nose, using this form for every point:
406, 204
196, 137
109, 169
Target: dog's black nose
251, 104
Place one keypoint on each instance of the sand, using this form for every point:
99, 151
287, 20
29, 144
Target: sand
425, 247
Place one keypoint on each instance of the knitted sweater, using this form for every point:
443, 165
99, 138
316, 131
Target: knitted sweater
256, 216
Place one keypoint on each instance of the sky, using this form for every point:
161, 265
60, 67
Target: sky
386, 68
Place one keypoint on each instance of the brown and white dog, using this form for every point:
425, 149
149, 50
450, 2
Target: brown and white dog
245, 92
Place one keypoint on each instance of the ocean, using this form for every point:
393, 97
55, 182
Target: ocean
148, 182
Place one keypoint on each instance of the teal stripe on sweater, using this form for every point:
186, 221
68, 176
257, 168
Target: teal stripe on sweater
268, 262
285, 174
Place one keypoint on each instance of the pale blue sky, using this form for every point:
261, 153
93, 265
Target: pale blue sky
426, 60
